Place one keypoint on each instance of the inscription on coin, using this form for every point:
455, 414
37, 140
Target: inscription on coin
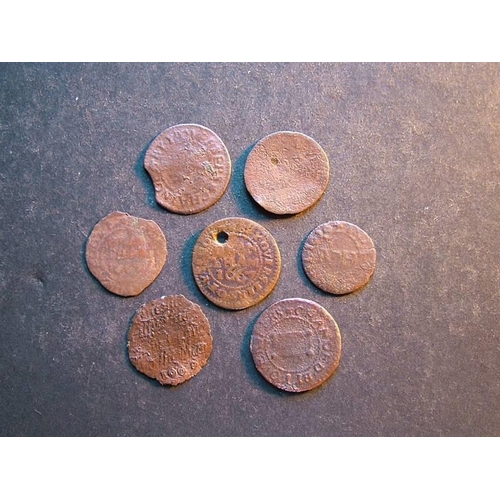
286, 172
170, 340
126, 253
339, 257
236, 263
190, 168
296, 345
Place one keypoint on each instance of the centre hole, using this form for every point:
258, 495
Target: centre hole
274, 160
222, 237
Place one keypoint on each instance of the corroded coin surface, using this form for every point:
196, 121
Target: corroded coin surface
190, 168
296, 345
170, 340
286, 172
339, 257
126, 253
236, 263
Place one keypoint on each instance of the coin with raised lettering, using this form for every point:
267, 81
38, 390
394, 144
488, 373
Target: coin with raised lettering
296, 345
126, 253
236, 263
190, 168
169, 339
286, 172
339, 257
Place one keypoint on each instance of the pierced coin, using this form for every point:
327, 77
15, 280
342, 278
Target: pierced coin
286, 172
236, 263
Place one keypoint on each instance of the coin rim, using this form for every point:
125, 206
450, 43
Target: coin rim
230, 170
285, 212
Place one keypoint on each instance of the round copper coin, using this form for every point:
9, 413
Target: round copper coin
339, 257
169, 339
296, 345
286, 172
190, 168
236, 263
126, 253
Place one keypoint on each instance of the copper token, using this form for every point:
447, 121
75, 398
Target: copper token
236, 263
190, 168
339, 257
169, 339
126, 253
296, 345
286, 172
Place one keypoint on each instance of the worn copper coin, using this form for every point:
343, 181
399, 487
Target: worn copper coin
286, 172
126, 253
190, 168
339, 257
236, 263
296, 345
170, 340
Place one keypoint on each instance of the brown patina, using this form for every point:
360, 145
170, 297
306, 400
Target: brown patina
339, 257
286, 172
296, 345
236, 263
190, 168
126, 253
170, 340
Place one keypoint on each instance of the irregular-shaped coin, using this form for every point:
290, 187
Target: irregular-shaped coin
190, 168
236, 263
286, 172
339, 257
296, 345
126, 253
169, 339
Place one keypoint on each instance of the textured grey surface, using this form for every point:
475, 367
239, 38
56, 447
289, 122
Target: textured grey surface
415, 161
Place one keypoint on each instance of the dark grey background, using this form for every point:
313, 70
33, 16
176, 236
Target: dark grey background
414, 153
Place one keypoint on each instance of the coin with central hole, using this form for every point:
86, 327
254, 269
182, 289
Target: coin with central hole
126, 253
169, 339
190, 168
296, 345
286, 172
236, 263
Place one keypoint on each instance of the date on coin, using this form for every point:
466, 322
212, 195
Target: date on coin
236, 263
170, 340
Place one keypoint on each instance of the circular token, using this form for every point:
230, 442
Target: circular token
286, 172
169, 339
190, 168
236, 263
296, 345
339, 257
126, 253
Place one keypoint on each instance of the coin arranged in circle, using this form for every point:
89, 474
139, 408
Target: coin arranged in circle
296, 345
190, 168
339, 257
169, 339
286, 172
236, 263
126, 253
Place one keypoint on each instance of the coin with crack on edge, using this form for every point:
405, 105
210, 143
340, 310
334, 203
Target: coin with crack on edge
170, 339
190, 168
236, 263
